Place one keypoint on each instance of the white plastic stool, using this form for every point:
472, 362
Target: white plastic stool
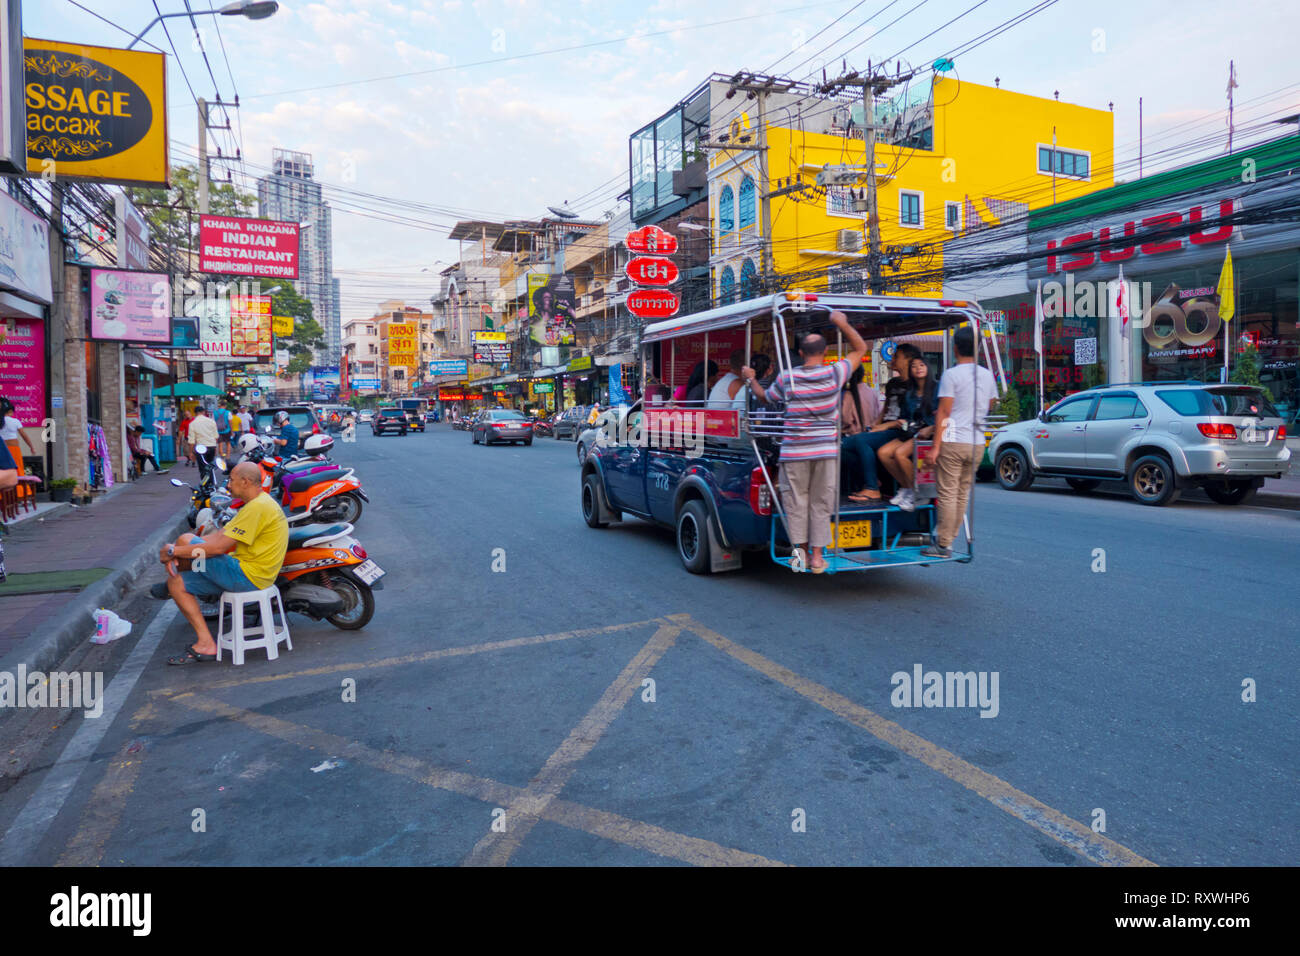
265, 634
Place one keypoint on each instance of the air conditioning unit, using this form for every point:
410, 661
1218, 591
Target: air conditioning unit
848, 240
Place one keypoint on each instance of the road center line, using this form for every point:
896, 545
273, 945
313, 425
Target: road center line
496, 848
1073, 834
30, 826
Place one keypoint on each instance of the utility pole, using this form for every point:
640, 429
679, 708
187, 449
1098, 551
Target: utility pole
203, 156
1232, 85
872, 85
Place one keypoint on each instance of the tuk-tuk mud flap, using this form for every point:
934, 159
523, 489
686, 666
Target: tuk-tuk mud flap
720, 558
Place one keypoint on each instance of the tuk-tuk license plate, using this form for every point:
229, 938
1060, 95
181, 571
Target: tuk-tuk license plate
852, 534
369, 572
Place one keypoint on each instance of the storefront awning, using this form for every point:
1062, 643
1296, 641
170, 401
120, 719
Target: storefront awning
622, 358
144, 360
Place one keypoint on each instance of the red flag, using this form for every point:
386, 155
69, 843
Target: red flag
1121, 304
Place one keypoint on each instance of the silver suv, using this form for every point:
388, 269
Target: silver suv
1158, 437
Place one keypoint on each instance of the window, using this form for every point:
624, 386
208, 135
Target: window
909, 209
1112, 407
747, 202
952, 216
726, 211
726, 286
1071, 410
1063, 162
748, 280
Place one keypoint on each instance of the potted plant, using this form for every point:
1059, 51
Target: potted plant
61, 489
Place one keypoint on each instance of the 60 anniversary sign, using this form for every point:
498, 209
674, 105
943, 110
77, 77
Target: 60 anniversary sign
96, 113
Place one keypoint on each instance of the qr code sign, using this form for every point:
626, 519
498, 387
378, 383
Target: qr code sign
1085, 351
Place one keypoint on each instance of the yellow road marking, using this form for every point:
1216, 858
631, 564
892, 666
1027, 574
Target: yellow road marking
610, 826
413, 658
496, 847
1053, 823
104, 810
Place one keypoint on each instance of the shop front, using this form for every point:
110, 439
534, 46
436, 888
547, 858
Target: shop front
582, 382
1171, 234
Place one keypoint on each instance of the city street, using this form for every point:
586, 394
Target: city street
535, 692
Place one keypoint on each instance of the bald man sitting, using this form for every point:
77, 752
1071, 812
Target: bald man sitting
258, 536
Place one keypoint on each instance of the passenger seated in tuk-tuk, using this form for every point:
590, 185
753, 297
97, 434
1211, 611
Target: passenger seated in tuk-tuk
859, 451
920, 404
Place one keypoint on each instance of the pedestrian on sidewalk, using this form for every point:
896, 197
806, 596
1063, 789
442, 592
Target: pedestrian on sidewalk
139, 454
8, 479
203, 433
183, 430
966, 395
808, 450
11, 435
246, 555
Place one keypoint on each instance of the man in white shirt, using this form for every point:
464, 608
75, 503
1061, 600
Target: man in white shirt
966, 395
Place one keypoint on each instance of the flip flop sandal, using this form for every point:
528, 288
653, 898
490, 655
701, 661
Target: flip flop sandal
191, 656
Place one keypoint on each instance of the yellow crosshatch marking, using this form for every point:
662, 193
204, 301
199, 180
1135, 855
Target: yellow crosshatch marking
541, 799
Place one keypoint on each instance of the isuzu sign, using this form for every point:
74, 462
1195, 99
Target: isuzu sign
652, 270
1151, 235
95, 113
235, 246
653, 303
652, 239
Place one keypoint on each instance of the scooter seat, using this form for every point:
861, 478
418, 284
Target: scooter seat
303, 482
306, 464
301, 534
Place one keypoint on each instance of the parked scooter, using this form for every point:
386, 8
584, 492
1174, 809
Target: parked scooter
326, 574
212, 470
313, 484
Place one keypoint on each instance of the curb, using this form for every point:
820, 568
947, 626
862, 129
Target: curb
73, 625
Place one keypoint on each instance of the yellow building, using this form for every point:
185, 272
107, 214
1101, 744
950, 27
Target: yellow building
951, 156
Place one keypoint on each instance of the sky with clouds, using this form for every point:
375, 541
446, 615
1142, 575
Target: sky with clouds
499, 108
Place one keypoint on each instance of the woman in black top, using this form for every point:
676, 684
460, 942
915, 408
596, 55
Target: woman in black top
921, 402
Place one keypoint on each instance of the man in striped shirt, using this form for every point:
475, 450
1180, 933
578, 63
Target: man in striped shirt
811, 394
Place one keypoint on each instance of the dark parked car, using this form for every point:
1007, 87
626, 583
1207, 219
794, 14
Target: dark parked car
571, 422
389, 420
502, 424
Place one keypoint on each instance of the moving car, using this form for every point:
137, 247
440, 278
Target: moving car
417, 412
302, 417
389, 419
366, 416
571, 422
502, 424
1158, 437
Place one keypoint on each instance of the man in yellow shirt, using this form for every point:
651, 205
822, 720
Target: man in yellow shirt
257, 536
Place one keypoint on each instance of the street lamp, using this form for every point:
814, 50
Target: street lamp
250, 9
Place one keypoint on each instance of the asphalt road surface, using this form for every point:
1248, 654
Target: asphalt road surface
532, 691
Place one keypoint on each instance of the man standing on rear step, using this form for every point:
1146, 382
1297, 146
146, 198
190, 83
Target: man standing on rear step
811, 441
966, 395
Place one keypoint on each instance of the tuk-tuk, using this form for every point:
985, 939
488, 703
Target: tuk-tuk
710, 471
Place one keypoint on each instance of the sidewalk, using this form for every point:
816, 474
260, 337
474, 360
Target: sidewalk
90, 554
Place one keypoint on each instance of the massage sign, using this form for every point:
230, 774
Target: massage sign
95, 113
651, 267
235, 246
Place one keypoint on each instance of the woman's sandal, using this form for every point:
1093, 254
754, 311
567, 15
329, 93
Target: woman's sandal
862, 497
191, 656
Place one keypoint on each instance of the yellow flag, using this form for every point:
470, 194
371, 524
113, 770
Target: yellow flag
1227, 295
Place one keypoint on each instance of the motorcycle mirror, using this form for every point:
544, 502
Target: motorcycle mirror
221, 463
200, 449
176, 482
267, 429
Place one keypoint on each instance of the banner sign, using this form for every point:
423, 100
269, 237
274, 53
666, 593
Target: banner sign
711, 422
372, 383
451, 394
551, 302
132, 238
232, 245
24, 251
250, 326
401, 344
652, 240
449, 367
491, 348
652, 304
580, 364
185, 332
96, 113
22, 367
130, 306
542, 388
652, 270
213, 313
282, 325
